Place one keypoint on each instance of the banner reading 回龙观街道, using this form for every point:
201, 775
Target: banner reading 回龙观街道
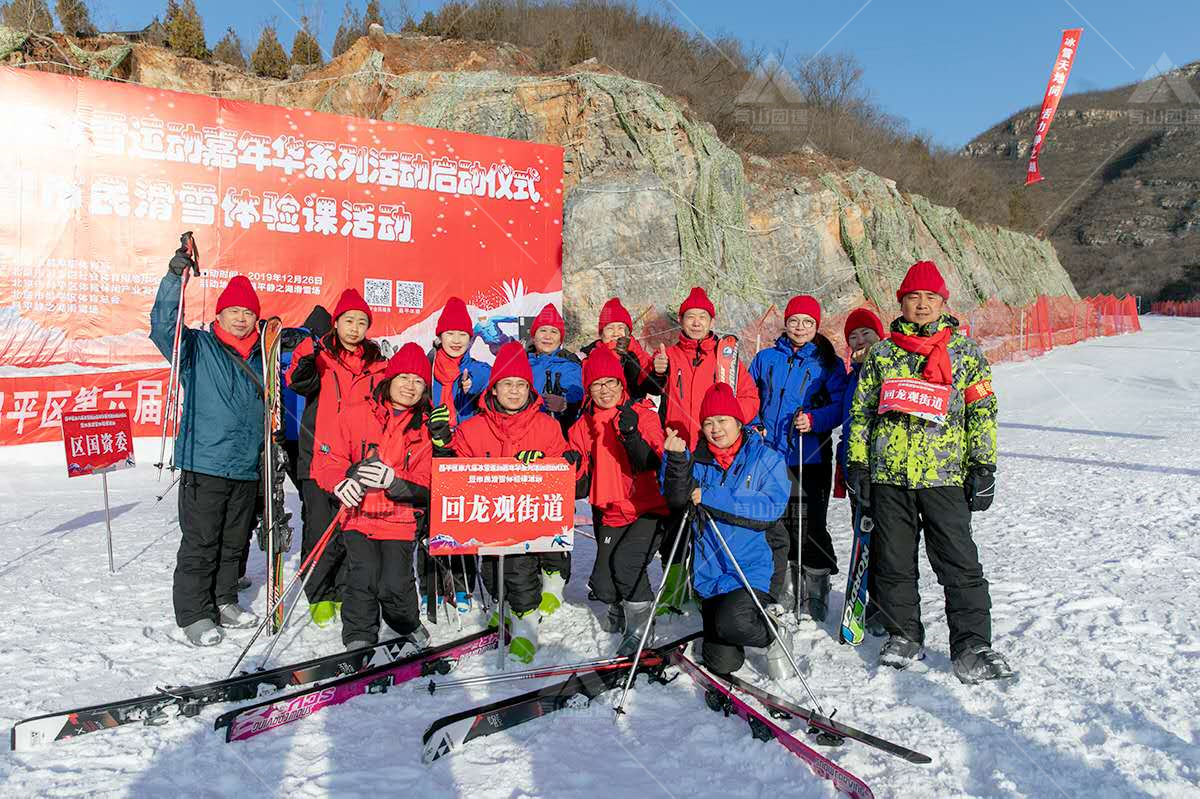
99, 178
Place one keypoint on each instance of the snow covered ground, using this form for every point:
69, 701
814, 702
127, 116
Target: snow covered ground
1091, 549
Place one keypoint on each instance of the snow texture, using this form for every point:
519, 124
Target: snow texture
1091, 550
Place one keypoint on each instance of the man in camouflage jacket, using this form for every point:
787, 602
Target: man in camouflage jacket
922, 454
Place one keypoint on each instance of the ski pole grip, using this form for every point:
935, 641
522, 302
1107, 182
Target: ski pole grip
189, 243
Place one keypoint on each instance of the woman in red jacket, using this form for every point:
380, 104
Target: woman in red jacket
378, 466
621, 444
511, 424
336, 373
616, 335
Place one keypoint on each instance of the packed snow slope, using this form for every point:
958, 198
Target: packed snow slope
1091, 549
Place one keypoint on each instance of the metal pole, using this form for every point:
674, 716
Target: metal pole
766, 616
107, 521
637, 656
502, 647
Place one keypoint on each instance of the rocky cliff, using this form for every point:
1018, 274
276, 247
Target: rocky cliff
655, 202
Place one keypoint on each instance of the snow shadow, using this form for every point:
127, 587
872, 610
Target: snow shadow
1136, 467
92, 517
1081, 431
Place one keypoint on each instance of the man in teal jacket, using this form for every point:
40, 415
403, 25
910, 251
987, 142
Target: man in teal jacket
218, 449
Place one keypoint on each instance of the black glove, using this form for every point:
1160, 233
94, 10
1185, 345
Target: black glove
528, 456
572, 457
555, 403
181, 262
627, 420
858, 487
438, 425
622, 345
980, 487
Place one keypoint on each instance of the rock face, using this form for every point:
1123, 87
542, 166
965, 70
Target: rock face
655, 202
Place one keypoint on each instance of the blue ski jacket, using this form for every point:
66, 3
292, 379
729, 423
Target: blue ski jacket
560, 373
466, 403
221, 427
743, 501
790, 380
847, 401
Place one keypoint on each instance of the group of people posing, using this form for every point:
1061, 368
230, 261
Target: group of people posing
723, 471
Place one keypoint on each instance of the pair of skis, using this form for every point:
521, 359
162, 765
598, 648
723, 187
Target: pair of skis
276, 532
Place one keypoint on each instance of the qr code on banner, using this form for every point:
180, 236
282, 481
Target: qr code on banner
410, 295
377, 292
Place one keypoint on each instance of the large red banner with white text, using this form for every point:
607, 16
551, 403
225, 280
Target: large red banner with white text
32, 408
97, 180
1057, 84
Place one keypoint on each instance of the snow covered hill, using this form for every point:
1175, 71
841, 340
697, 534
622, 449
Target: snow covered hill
1091, 549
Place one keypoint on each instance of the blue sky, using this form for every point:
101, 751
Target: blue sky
952, 69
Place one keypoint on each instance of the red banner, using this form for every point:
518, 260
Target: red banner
97, 441
929, 401
1054, 91
99, 178
498, 506
32, 408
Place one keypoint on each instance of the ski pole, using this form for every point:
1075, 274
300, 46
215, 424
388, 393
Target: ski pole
174, 482
172, 379
529, 674
766, 616
637, 657
305, 567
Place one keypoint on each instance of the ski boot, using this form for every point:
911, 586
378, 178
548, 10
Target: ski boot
243, 583
204, 633
235, 616
674, 591
900, 653
614, 620
358, 644
815, 593
322, 613
523, 645
638, 617
980, 663
874, 622
552, 592
415, 641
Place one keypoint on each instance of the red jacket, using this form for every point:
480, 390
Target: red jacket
686, 381
637, 487
491, 433
332, 385
406, 449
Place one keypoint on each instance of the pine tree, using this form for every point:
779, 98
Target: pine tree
348, 31
27, 15
582, 49
305, 50
269, 59
185, 29
229, 50
372, 15
551, 57
74, 18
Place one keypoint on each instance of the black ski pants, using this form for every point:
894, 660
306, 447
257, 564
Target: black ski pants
622, 555
328, 578
556, 562
216, 516
731, 623
379, 578
522, 581
807, 512
899, 514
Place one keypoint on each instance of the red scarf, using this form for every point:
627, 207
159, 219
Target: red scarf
608, 466
242, 346
445, 371
937, 367
724, 455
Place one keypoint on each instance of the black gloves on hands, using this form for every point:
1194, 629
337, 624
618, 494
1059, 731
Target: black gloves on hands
980, 487
438, 425
627, 420
858, 486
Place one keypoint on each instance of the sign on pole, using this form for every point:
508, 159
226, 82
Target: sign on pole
98, 442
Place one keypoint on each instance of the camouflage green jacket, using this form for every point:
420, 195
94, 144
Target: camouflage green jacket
908, 451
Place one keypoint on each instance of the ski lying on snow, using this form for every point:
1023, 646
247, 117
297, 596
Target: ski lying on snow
458, 729
247, 722
172, 702
780, 708
721, 698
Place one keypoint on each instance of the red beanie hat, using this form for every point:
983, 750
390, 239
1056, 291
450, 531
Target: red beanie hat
600, 364
805, 304
862, 317
614, 311
351, 300
239, 293
409, 360
511, 361
923, 276
454, 317
697, 298
550, 317
719, 400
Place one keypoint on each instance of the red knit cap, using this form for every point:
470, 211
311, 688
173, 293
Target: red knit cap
600, 364
550, 317
923, 276
511, 361
862, 317
409, 360
614, 311
697, 298
454, 317
805, 304
238, 293
351, 300
719, 400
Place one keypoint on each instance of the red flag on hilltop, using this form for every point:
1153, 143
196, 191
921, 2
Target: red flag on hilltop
1054, 91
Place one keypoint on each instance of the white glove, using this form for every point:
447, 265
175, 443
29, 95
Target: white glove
349, 492
376, 474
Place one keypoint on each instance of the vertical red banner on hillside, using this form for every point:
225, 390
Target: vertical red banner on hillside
1067, 51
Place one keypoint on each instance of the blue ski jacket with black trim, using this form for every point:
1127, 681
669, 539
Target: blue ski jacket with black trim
790, 380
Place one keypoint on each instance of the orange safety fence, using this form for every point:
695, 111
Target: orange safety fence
1176, 308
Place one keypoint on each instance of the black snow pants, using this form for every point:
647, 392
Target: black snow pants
379, 578
328, 578
731, 623
522, 581
216, 516
622, 555
899, 514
